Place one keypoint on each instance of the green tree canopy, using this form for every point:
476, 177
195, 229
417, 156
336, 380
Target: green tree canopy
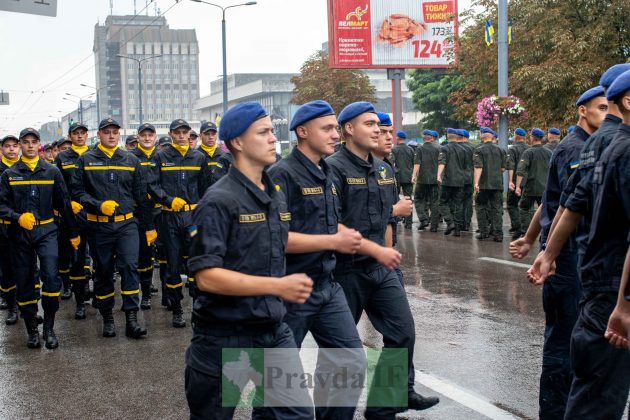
430, 92
338, 87
560, 48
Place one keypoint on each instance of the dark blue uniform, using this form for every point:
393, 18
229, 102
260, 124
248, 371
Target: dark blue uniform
7, 280
601, 382
561, 291
313, 203
365, 189
245, 229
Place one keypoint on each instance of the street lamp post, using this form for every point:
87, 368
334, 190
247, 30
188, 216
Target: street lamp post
139, 61
98, 98
80, 104
223, 42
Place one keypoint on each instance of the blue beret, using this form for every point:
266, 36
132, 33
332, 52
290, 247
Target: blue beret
237, 119
465, 133
612, 73
554, 130
401, 134
619, 86
571, 128
354, 110
592, 93
494, 133
452, 131
427, 133
537, 132
485, 130
435, 134
310, 111
520, 132
384, 119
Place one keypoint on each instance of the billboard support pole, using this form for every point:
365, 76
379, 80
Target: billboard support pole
396, 76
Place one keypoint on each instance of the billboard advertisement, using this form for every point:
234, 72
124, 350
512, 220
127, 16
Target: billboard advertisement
392, 33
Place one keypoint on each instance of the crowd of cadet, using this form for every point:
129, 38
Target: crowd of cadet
273, 249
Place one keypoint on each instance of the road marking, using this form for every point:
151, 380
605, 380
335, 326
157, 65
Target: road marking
463, 397
505, 262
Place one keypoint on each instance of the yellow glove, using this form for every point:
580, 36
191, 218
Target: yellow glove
108, 207
75, 242
178, 204
27, 221
76, 207
151, 236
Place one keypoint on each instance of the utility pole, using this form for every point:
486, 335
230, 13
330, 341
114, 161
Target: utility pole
503, 69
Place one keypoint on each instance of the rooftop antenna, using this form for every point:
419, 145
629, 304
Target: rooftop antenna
146, 7
111, 7
134, 8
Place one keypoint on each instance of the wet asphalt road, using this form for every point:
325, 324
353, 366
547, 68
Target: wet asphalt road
479, 331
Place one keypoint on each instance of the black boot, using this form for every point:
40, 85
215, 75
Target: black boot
418, 402
12, 314
450, 228
79, 296
457, 231
154, 289
3, 303
109, 328
133, 329
145, 303
482, 236
178, 316
49, 333
433, 228
33, 333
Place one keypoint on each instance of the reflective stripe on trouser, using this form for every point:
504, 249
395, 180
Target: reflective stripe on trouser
40, 243
119, 240
175, 243
451, 205
7, 278
512, 208
489, 205
427, 203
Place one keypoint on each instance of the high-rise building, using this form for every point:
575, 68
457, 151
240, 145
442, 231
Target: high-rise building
170, 81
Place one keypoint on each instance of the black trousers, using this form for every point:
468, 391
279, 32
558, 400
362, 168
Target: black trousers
72, 264
7, 278
145, 261
467, 204
175, 231
451, 199
601, 372
407, 191
427, 203
513, 211
115, 241
29, 246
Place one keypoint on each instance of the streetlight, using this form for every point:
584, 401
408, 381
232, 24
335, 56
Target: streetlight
223, 9
139, 61
80, 104
98, 100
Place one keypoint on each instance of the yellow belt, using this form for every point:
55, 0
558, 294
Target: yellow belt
187, 207
108, 219
44, 222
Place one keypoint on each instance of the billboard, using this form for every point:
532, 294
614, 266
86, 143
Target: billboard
392, 33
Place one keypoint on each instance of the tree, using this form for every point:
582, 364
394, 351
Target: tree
338, 87
430, 92
559, 49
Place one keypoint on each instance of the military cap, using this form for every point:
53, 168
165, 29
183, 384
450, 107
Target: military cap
401, 134
9, 137
612, 73
164, 140
354, 110
554, 131
494, 134
427, 133
452, 131
434, 134
208, 126
384, 119
193, 133
619, 86
48, 146
537, 132
54, 144
237, 119
75, 125
146, 126
485, 130
107, 122
131, 139
592, 93
570, 129
63, 140
520, 132
179, 123
29, 130
310, 111
465, 133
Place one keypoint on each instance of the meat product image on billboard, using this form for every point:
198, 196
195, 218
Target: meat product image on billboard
392, 33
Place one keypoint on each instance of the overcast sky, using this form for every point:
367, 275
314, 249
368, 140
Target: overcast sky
37, 51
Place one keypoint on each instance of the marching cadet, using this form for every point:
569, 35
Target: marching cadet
193, 138
489, 162
513, 158
72, 264
451, 177
425, 177
238, 260
402, 157
209, 146
48, 153
145, 153
180, 177
600, 384
108, 183
163, 142
468, 184
531, 176
314, 236
29, 191
553, 138
10, 155
63, 144
223, 164
361, 182
131, 142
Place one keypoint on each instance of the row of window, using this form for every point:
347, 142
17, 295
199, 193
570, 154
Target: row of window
162, 48
182, 65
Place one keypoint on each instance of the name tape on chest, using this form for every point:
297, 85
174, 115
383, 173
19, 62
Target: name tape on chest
386, 181
356, 181
252, 218
312, 191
